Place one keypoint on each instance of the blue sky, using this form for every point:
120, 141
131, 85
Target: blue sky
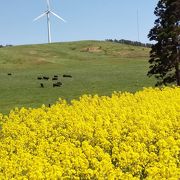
86, 20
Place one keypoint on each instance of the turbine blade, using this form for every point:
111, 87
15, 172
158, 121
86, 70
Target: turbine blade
57, 16
40, 16
48, 4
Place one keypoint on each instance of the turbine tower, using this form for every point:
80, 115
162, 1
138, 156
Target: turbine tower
47, 13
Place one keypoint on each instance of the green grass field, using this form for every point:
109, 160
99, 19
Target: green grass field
96, 67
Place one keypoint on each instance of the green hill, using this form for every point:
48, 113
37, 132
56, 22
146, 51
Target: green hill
97, 67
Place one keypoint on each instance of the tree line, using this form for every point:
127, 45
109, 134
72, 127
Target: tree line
7, 45
129, 42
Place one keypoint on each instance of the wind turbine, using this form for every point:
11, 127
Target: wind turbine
47, 13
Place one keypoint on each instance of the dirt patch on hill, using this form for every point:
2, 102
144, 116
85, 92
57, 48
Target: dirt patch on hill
92, 49
32, 52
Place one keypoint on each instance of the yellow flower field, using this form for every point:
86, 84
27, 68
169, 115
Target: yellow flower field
125, 136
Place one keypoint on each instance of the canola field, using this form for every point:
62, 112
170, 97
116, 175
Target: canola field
125, 136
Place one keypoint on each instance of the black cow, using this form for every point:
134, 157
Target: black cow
42, 85
55, 78
67, 75
39, 78
9, 74
58, 84
45, 78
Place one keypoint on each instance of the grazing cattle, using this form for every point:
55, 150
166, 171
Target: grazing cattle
66, 75
42, 85
55, 78
9, 74
45, 78
49, 105
39, 78
58, 84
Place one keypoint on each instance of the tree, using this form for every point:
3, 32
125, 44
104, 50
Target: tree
164, 59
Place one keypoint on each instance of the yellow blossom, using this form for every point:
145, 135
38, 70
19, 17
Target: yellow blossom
125, 136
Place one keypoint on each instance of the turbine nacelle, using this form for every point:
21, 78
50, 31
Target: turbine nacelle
49, 12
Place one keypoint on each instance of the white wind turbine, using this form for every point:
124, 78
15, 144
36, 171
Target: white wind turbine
47, 13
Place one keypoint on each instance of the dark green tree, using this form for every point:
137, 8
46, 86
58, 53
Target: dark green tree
164, 55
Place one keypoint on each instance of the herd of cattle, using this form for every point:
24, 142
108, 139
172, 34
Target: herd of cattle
55, 79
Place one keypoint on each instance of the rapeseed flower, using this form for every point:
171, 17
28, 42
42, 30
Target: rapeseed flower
125, 136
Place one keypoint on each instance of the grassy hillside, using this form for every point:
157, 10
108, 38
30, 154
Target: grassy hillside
96, 67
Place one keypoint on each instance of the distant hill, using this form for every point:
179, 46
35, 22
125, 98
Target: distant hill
82, 50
